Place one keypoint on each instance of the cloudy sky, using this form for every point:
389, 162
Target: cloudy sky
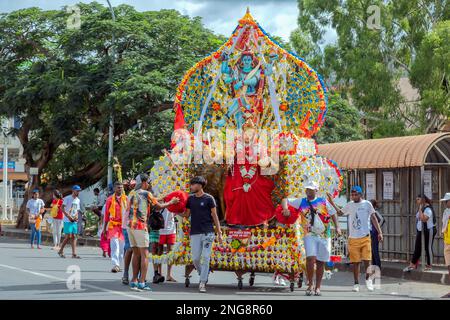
278, 17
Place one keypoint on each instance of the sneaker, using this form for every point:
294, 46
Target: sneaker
282, 282
202, 287
134, 286
157, 278
144, 287
409, 269
356, 288
369, 284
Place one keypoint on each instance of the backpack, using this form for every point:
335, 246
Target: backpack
432, 211
155, 220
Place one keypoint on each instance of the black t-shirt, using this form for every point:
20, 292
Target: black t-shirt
201, 219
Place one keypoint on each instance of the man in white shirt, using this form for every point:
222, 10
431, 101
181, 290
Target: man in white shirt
360, 213
35, 207
71, 206
167, 236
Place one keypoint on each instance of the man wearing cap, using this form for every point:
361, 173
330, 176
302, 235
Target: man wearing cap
315, 219
71, 206
140, 207
361, 213
446, 230
35, 207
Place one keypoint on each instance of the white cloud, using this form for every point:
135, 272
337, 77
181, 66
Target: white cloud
276, 17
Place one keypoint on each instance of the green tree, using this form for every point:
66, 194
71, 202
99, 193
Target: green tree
370, 56
63, 84
343, 122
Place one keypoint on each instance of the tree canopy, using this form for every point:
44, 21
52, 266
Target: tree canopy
372, 52
63, 83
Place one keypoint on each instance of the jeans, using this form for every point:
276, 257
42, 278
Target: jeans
57, 228
429, 238
375, 244
35, 233
80, 223
201, 247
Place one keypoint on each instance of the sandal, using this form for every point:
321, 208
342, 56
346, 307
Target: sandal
309, 291
61, 254
125, 280
317, 293
171, 280
74, 256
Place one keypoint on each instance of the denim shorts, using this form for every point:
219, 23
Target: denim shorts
127, 240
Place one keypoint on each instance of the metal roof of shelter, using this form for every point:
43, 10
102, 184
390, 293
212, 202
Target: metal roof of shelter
398, 152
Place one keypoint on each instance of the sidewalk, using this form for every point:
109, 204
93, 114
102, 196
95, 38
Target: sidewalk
395, 270
46, 237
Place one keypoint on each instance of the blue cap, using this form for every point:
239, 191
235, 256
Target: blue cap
357, 189
76, 188
35, 190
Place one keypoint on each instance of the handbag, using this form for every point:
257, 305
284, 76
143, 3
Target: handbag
447, 234
54, 210
317, 225
156, 220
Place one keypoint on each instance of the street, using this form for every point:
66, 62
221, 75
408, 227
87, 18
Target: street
41, 274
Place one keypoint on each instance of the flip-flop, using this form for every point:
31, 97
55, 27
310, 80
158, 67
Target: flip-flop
74, 256
61, 255
171, 280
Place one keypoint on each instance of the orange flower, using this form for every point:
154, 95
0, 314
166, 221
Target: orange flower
283, 107
216, 106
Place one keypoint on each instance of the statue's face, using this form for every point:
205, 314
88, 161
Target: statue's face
247, 61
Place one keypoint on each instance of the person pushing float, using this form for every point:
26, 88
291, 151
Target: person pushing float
251, 84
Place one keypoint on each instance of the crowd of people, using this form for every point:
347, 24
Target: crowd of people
128, 233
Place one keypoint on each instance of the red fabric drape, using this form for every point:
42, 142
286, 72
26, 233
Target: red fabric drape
248, 208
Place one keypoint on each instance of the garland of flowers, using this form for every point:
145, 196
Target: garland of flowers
268, 250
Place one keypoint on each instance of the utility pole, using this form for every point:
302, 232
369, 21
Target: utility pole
5, 177
111, 116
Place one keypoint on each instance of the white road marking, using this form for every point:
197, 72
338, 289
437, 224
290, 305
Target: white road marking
84, 285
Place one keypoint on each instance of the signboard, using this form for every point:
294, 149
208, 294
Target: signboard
388, 186
239, 234
371, 186
34, 171
427, 180
11, 165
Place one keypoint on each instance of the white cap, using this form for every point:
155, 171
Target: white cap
312, 185
446, 197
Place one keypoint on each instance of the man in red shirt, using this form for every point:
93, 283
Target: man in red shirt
115, 218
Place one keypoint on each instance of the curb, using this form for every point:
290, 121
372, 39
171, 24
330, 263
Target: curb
47, 238
414, 275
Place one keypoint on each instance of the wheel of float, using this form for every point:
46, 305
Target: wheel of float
240, 284
292, 286
187, 282
251, 281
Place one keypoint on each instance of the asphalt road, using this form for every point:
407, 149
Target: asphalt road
41, 274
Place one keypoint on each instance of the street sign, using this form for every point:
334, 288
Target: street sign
34, 171
11, 165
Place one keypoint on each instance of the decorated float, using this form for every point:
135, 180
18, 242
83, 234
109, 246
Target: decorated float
253, 87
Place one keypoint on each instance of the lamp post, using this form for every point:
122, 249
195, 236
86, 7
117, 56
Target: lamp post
111, 116
5, 177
